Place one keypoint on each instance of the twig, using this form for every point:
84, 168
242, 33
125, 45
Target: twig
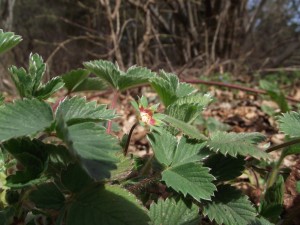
234, 86
129, 138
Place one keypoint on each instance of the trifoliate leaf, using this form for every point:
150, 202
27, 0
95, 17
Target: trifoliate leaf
76, 110
47, 196
171, 212
8, 40
24, 117
237, 144
74, 78
170, 151
134, 76
229, 207
109, 205
225, 168
289, 123
190, 178
189, 107
105, 70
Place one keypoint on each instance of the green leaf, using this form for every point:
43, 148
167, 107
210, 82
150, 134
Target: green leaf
185, 128
291, 150
107, 206
76, 110
91, 84
289, 123
6, 215
46, 90
225, 168
213, 125
272, 204
229, 207
22, 81
36, 71
173, 212
260, 221
237, 144
47, 196
134, 76
8, 40
189, 107
74, 178
105, 70
33, 157
164, 146
90, 142
184, 89
275, 94
74, 78
190, 178
24, 117
298, 186
125, 166
170, 151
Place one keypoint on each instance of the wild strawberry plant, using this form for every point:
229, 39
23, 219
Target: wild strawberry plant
60, 164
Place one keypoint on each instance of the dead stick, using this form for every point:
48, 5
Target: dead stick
234, 86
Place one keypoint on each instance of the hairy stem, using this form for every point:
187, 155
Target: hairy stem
283, 145
128, 138
112, 106
273, 176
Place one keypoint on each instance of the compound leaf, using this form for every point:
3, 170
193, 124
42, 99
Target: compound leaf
109, 205
74, 78
105, 70
171, 212
134, 76
289, 123
236, 144
229, 207
190, 178
24, 117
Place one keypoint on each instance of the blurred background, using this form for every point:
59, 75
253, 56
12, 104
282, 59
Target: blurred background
187, 37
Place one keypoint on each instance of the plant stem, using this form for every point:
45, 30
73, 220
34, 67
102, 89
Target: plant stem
283, 145
128, 138
273, 176
112, 106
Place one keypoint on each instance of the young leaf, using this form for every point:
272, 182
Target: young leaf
229, 207
236, 144
8, 40
46, 90
272, 204
190, 178
74, 78
24, 117
187, 129
47, 196
76, 109
289, 123
105, 70
225, 168
189, 107
106, 205
169, 89
36, 70
173, 212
